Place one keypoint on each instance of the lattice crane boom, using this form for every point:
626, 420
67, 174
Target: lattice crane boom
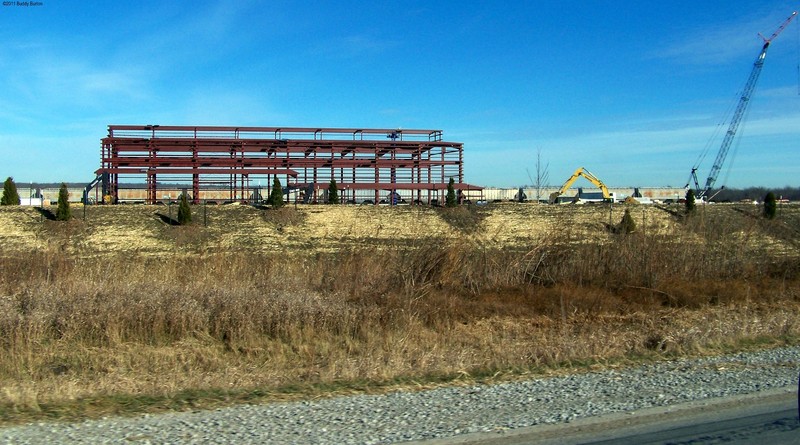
738, 114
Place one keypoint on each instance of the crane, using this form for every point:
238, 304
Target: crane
738, 114
607, 196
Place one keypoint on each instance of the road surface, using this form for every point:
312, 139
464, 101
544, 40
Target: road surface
764, 418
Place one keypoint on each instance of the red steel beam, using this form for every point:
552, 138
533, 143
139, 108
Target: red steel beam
164, 161
201, 171
278, 131
405, 186
261, 144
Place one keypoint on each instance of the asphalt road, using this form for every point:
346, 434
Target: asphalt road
764, 418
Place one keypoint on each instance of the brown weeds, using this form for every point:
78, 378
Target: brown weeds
75, 327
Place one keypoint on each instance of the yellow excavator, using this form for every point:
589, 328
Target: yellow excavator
608, 197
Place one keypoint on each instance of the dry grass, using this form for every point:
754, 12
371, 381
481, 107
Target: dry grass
384, 295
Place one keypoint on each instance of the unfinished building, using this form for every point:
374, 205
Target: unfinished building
240, 164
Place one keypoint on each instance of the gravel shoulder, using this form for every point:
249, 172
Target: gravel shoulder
448, 412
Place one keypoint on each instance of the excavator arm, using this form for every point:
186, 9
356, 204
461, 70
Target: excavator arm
586, 174
554, 196
597, 183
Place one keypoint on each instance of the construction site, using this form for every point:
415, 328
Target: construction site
241, 164
218, 164
417, 315
155, 164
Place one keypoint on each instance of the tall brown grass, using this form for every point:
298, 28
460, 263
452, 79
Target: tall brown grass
73, 327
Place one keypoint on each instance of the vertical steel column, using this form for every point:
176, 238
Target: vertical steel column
377, 174
195, 174
288, 163
305, 173
441, 192
461, 164
418, 155
430, 173
152, 188
393, 176
314, 175
232, 178
353, 172
269, 175
333, 170
242, 178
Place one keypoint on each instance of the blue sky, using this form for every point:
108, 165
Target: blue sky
631, 90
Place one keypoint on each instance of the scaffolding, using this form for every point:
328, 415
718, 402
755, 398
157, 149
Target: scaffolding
241, 163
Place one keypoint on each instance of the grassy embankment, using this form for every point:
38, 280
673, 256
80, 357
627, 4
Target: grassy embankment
122, 312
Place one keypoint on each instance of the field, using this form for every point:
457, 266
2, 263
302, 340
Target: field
119, 311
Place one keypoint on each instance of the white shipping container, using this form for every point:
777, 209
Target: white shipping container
30, 202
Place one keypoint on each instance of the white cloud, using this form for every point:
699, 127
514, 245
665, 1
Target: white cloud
714, 46
42, 82
720, 43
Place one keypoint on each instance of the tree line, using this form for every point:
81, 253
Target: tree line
756, 194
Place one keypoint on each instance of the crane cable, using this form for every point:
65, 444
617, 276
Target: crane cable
712, 141
797, 54
736, 144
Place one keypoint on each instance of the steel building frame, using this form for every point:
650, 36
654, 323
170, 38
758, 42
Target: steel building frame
365, 163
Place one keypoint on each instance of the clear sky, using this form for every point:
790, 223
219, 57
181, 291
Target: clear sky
632, 90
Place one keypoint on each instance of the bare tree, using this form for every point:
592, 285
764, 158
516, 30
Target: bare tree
542, 172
